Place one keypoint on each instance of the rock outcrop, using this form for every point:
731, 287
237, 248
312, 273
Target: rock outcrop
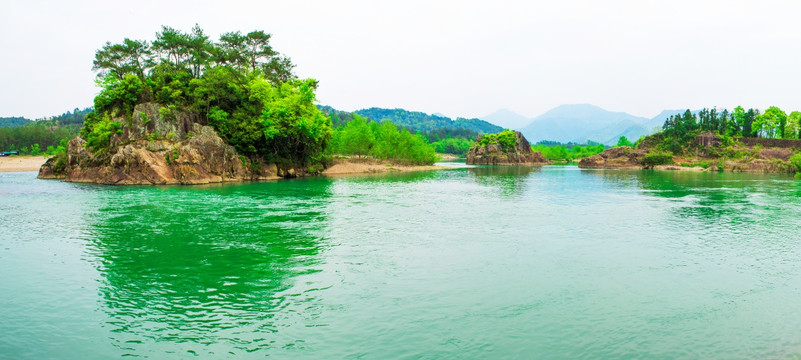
158, 146
623, 157
493, 153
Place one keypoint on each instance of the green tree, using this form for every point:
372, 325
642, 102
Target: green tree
130, 57
793, 128
772, 122
624, 141
357, 137
738, 121
295, 130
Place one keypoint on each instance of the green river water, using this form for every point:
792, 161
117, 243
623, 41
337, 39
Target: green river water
482, 263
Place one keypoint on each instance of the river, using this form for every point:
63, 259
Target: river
470, 263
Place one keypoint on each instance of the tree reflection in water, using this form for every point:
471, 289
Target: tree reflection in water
209, 268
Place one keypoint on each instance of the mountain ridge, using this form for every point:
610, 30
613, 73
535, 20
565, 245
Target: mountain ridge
580, 123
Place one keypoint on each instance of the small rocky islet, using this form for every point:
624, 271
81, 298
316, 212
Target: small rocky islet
160, 147
505, 148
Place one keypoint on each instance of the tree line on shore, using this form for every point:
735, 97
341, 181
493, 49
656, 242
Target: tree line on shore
47, 136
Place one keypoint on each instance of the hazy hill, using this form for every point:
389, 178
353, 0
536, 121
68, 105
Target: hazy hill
659, 120
421, 121
582, 122
507, 119
13, 121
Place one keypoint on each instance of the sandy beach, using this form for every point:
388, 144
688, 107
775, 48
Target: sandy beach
21, 163
372, 166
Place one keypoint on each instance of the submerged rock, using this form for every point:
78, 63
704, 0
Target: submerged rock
493, 152
156, 146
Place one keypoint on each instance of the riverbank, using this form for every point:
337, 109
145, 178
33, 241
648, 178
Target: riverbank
21, 163
345, 166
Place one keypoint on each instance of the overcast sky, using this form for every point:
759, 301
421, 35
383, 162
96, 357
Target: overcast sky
459, 58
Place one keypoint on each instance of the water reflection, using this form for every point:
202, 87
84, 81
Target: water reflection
511, 180
207, 270
716, 198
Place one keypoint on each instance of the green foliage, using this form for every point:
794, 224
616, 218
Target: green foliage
389, 142
60, 163
773, 123
624, 141
456, 146
505, 138
357, 137
657, 157
561, 153
99, 136
294, 130
35, 132
416, 120
117, 96
795, 162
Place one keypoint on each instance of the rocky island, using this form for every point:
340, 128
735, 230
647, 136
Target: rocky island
183, 109
505, 148
160, 147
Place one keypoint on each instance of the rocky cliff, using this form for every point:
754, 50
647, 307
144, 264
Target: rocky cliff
159, 146
494, 152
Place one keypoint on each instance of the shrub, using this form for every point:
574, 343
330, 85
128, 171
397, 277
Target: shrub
657, 157
795, 161
505, 138
99, 135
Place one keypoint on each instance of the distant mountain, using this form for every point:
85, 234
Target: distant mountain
507, 119
421, 121
13, 121
70, 117
581, 122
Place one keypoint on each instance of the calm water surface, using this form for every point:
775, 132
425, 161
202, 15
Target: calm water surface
515, 262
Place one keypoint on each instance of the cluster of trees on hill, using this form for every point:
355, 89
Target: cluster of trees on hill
13, 121
424, 122
562, 153
678, 130
238, 84
385, 140
773, 123
35, 139
43, 136
446, 140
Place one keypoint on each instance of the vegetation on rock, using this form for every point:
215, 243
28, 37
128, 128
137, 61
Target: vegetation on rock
239, 85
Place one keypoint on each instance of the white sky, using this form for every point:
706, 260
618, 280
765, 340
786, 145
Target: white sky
459, 58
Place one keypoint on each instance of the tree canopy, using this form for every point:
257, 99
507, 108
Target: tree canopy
239, 84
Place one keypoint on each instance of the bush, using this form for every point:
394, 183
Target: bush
657, 157
99, 135
795, 161
505, 138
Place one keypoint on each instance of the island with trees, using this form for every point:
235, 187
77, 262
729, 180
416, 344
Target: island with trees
184, 109
505, 148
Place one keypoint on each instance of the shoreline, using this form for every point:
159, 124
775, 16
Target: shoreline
372, 166
21, 163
